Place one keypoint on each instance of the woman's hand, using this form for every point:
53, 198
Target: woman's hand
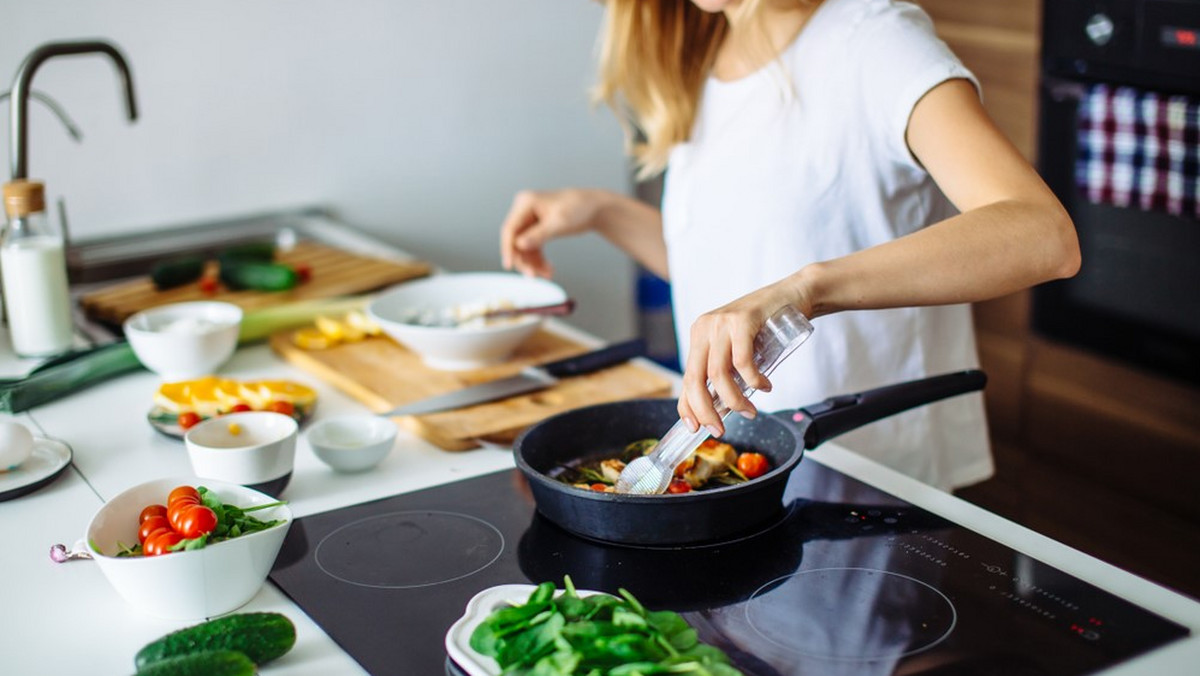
538, 217
721, 344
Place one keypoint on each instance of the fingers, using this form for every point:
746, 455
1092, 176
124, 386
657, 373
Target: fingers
520, 240
720, 362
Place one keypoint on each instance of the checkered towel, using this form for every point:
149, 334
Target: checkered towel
1139, 149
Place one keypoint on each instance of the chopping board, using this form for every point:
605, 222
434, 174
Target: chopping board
335, 272
382, 374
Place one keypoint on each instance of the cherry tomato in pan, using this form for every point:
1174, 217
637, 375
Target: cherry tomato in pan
284, 407
161, 542
753, 465
683, 467
150, 525
601, 487
152, 510
679, 486
188, 420
196, 521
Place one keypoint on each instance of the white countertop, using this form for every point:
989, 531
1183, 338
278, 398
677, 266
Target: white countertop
66, 619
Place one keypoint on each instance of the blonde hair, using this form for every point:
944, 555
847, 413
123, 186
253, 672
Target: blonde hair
655, 56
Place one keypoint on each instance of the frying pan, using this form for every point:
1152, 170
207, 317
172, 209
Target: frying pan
713, 514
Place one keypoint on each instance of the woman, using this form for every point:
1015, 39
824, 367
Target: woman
833, 155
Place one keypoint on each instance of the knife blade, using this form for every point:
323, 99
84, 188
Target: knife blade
530, 379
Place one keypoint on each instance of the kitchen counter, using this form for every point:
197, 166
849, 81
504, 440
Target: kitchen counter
65, 618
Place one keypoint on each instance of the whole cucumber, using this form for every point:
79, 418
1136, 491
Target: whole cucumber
208, 663
260, 636
259, 276
251, 252
176, 272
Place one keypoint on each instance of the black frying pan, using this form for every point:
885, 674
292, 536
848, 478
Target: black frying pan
712, 514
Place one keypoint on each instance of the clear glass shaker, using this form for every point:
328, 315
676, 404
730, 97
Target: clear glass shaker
34, 269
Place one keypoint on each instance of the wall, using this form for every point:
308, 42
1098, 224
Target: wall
415, 120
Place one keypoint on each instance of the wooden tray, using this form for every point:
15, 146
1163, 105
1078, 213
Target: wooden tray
334, 273
383, 375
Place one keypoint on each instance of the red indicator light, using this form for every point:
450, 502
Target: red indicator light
1094, 622
1186, 37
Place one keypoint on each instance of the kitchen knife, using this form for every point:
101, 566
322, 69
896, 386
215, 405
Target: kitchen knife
530, 379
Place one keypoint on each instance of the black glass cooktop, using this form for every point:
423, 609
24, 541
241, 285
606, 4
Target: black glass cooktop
848, 580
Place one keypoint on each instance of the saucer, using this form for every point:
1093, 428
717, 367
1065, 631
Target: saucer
48, 459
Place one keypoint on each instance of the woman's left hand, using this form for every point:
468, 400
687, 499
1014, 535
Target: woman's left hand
722, 343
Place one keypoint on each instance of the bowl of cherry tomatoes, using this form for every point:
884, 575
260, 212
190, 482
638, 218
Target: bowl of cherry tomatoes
183, 548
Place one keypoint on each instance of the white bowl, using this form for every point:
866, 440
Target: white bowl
352, 443
186, 585
463, 347
180, 341
251, 448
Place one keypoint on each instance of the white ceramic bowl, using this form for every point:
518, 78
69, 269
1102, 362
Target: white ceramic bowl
186, 585
352, 443
251, 448
180, 341
463, 347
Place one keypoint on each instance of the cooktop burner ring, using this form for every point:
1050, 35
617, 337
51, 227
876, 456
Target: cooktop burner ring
922, 631
409, 549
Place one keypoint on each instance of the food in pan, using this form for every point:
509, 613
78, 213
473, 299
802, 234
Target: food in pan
714, 463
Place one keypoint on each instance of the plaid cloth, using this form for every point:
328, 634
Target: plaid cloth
1139, 149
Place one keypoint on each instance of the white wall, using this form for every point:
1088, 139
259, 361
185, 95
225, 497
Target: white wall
415, 120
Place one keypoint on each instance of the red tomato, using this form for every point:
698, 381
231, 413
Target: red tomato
182, 491
161, 542
178, 509
599, 487
239, 407
188, 420
195, 521
679, 486
208, 285
152, 510
284, 407
684, 466
753, 465
150, 525
303, 272
709, 443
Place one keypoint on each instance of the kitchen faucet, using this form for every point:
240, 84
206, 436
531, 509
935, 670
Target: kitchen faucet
18, 142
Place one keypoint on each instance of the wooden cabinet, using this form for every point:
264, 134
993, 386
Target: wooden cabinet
1092, 452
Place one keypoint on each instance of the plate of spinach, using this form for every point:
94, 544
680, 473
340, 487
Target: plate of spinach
521, 628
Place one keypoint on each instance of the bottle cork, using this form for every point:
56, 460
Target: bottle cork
23, 197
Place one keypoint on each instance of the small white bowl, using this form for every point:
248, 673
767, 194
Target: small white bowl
252, 448
181, 341
352, 443
468, 346
186, 585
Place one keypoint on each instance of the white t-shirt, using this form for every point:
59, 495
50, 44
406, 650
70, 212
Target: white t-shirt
806, 160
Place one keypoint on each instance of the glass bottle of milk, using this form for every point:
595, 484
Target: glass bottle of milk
34, 271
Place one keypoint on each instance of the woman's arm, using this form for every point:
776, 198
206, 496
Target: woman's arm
538, 217
1012, 233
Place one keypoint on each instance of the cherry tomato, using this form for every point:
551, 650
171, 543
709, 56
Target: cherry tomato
599, 487
150, 525
239, 407
195, 521
152, 510
709, 443
161, 542
679, 486
208, 285
684, 466
177, 511
284, 407
303, 272
753, 465
188, 420
182, 491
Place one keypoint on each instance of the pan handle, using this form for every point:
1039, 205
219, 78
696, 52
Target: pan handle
846, 412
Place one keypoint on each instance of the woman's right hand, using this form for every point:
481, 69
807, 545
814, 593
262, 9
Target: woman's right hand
538, 217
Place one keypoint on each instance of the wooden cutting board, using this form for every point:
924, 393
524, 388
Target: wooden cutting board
335, 272
382, 374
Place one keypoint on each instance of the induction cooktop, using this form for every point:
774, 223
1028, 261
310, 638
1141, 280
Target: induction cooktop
847, 580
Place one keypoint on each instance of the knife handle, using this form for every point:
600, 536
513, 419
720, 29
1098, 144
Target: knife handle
596, 360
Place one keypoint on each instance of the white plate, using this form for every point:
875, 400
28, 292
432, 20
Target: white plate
458, 638
49, 458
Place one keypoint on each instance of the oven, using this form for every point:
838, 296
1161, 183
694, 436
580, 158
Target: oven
1129, 184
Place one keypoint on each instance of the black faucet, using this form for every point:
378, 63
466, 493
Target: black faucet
24, 81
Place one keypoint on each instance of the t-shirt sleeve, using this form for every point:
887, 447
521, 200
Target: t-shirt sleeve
902, 60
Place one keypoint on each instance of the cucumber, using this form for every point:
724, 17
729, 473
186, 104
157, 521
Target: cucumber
208, 663
251, 252
259, 276
176, 272
260, 636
